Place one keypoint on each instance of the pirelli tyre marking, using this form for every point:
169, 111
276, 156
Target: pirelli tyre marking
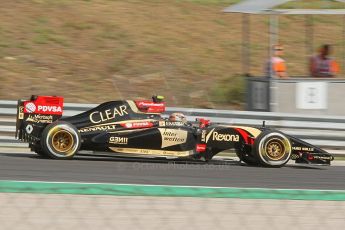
171, 137
150, 152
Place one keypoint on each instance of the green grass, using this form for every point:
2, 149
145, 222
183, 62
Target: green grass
230, 90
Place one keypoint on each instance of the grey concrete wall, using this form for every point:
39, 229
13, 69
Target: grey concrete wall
285, 95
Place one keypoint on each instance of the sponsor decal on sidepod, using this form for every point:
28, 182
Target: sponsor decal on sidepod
118, 140
136, 125
222, 136
172, 137
98, 117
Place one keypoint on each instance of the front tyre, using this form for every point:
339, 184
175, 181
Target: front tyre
60, 140
273, 149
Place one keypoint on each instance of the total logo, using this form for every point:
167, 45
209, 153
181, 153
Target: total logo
137, 125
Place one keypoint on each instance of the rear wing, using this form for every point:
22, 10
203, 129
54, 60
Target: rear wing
34, 114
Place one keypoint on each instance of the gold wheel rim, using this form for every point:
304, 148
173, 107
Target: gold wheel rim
62, 141
275, 150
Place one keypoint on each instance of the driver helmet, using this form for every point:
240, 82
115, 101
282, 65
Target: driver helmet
178, 117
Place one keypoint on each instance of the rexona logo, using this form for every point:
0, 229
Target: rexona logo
225, 137
118, 140
109, 114
172, 137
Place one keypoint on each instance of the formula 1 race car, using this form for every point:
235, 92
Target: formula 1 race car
136, 128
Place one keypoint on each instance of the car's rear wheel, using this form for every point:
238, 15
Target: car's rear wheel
60, 140
273, 149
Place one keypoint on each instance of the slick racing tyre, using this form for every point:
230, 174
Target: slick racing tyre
272, 149
60, 140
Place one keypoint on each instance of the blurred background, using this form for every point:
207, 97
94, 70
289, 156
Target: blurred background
190, 51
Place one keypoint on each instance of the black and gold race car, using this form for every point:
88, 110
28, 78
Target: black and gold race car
136, 128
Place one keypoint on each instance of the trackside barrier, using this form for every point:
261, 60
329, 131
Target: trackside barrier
325, 131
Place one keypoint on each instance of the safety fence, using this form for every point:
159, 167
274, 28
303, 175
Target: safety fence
325, 131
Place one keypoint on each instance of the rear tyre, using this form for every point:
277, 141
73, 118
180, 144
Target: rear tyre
60, 140
272, 149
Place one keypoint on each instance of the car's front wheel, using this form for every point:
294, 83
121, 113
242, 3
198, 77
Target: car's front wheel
272, 149
60, 140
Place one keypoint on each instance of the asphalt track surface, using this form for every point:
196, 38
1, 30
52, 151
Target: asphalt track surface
30, 167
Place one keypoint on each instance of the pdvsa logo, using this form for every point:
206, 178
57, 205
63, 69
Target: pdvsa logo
48, 108
30, 107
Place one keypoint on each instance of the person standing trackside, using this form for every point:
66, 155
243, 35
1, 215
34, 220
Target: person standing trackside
276, 66
322, 65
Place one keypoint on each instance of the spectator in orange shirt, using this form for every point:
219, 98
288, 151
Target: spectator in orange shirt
322, 65
276, 66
